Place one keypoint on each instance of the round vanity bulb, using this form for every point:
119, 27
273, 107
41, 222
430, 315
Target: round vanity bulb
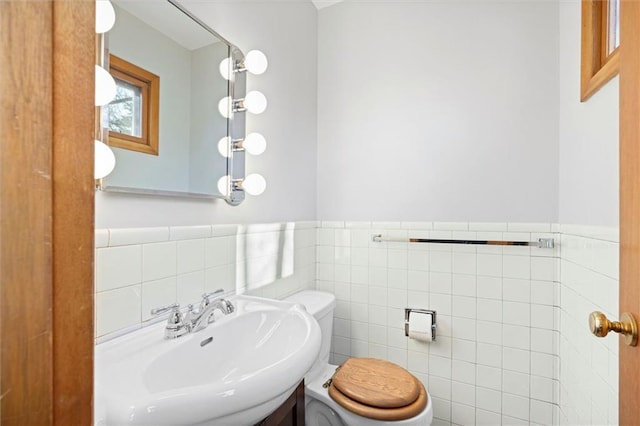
105, 87
224, 106
223, 146
256, 62
255, 102
105, 160
225, 68
223, 185
254, 143
254, 184
105, 16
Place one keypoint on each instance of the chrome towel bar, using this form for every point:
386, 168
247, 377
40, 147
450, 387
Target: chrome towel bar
541, 243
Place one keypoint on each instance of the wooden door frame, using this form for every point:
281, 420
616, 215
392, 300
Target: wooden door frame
47, 52
629, 387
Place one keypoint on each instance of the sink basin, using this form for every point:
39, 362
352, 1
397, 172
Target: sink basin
235, 372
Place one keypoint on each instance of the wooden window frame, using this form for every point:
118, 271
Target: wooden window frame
149, 85
598, 66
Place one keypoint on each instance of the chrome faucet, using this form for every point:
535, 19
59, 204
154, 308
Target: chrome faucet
204, 316
194, 320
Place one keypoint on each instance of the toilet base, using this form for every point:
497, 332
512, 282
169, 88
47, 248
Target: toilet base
322, 410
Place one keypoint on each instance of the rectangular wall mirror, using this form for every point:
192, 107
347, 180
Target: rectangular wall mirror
164, 125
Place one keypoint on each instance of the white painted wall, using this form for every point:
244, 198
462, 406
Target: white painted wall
588, 179
287, 33
438, 110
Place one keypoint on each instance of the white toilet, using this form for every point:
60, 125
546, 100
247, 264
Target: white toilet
320, 408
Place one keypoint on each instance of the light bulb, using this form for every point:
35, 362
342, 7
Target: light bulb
223, 184
105, 87
254, 143
225, 68
255, 102
254, 184
104, 161
105, 16
223, 146
224, 106
256, 62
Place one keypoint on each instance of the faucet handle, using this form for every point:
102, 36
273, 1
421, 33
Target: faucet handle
207, 296
174, 307
176, 327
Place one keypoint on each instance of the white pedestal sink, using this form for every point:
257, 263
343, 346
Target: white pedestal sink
235, 372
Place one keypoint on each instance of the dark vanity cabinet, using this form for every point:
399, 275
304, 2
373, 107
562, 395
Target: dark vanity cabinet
290, 413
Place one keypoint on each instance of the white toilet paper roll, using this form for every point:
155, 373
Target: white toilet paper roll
420, 326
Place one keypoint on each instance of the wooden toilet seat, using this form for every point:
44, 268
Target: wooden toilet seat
378, 389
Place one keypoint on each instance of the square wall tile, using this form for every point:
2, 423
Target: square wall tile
464, 350
489, 332
159, 260
543, 268
221, 277
489, 355
117, 309
118, 267
544, 389
515, 383
516, 313
218, 251
489, 310
464, 307
489, 265
489, 287
487, 418
489, 377
462, 414
190, 255
190, 288
156, 294
440, 347
517, 337
439, 387
544, 293
516, 360
489, 400
516, 267
515, 406
418, 362
464, 372
516, 290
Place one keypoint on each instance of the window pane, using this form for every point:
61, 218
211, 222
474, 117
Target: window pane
614, 25
125, 115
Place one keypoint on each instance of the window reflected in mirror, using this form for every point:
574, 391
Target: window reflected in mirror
125, 112
133, 114
612, 25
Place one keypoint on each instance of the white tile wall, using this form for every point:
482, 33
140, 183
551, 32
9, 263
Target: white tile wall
588, 366
496, 356
142, 268
512, 348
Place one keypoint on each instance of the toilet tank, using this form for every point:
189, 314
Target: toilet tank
321, 305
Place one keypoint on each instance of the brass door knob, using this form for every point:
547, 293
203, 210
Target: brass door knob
600, 326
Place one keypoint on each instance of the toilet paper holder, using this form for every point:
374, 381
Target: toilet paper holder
407, 312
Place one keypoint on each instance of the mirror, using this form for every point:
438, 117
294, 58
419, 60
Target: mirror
161, 39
